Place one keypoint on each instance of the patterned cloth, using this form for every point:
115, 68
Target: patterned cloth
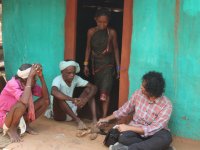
11, 95
151, 116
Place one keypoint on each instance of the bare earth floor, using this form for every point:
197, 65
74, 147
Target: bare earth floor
62, 136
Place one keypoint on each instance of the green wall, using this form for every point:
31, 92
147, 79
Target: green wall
33, 32
166, 38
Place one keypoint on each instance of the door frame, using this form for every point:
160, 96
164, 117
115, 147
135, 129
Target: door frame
70, 42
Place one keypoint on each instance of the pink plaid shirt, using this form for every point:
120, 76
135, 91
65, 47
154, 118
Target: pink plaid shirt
152, 117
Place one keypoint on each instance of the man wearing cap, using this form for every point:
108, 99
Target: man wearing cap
64, 105
17, 108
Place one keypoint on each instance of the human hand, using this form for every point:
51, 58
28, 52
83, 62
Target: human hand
102, 122
33, 71
38, 69
79, 102
86, 71
122, 127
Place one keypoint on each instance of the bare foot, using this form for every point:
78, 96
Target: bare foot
14, 136
81, 125
31, 131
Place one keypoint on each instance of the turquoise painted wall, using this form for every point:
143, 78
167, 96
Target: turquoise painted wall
33, 31
168, 41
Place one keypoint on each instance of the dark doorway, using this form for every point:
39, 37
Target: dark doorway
85, 19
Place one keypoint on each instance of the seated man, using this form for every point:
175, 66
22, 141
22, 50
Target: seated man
64, 105
17, 108
152, 110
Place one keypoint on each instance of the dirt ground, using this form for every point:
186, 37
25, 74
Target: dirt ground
62, 136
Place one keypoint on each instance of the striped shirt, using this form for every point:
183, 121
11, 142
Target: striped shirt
150, 116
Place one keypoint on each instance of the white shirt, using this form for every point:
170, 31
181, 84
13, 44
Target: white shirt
68, 90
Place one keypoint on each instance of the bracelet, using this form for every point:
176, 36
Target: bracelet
28, 86
117, 68
85, 63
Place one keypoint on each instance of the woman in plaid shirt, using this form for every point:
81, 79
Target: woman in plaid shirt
148, 130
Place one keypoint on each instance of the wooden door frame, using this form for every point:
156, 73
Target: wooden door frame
70, 42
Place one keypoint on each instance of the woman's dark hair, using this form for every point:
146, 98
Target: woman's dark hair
103, 12
154, 83
23, 67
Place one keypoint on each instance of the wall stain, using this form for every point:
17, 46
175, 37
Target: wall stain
184, 118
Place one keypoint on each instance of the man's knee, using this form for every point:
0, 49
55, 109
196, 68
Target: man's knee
122, 138
87, 92
44, 102
162, 139
21, 106
88, 89
126, 136
56, 105
165, 135
19, 109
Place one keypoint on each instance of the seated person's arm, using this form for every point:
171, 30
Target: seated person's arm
45, 93
127, 108
59, 95
27, 91
107, 119
124, 127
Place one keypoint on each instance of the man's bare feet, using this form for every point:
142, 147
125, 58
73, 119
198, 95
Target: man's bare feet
81, 125
30, 130
14, 136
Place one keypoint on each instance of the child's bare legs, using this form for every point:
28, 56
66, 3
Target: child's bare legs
91, 103
12, 121
105, 104
61, 108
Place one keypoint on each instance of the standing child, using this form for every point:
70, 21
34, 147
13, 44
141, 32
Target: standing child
103, 50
